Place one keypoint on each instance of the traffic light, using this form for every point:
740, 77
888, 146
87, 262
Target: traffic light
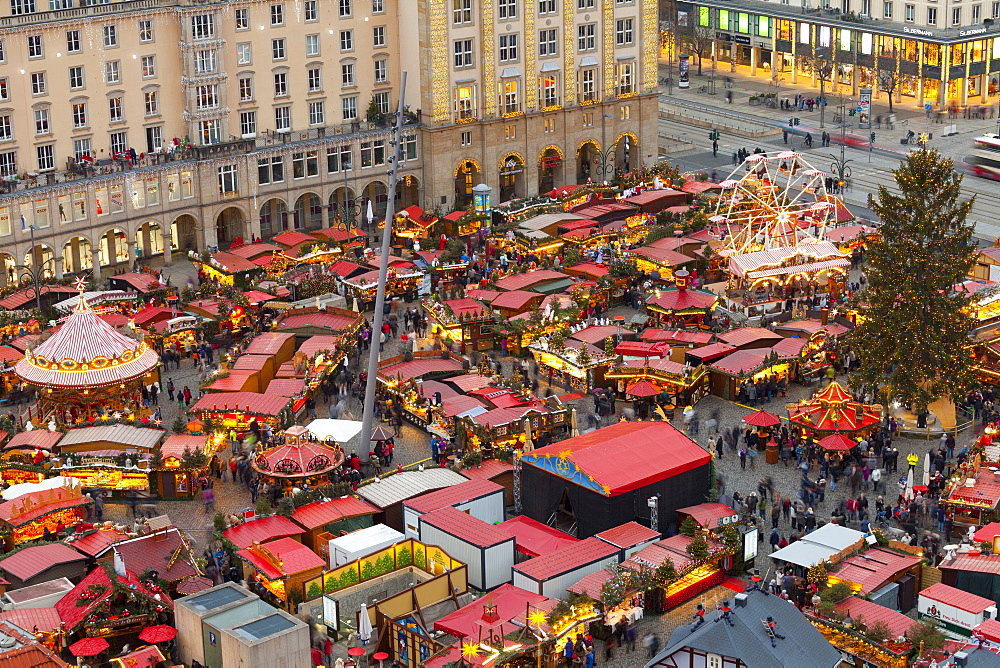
871, 138
793, 121
714, 135
852, 112
797, 121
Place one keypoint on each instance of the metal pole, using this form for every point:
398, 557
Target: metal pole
383, 271
34, 269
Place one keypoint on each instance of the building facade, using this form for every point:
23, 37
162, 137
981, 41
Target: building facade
133, 127
941, 52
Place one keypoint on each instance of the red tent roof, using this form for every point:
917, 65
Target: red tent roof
262, 530
241, 402
958, 598
832, 409
292, 460
608, 455
321, 513
673, 299
532, 538
897, 622
510, 601
708, 514
744, 335
293, 556
29, 562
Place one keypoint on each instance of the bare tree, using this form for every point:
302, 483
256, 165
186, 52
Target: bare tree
696, 39
890, 78
820, 64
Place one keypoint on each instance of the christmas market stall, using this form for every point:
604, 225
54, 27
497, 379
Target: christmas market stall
972, 494
111, 458
403, 282
298, 462
685, 385
832, 410
183, 459
821, 339
238, 410
401, 379
697, 559
281, 567
443, 272
412, 223
714, 518
680, 306
324, 520
86, 369
731, 372
227, 268
511, 425
661, 264
25, 454
463, 321
30, 510
576, 365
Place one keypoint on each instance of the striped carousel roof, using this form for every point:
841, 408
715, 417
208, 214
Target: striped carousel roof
86, 352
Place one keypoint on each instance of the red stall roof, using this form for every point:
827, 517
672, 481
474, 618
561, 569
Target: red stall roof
321, 513
708, 514
566, 560
744, 335
510, 602
489, 469
872, 570
608, 455
286, 387
673, 299
680, 336
713, 351
592, 585
293, 556
268, 343
535, 539
241, 402
329, 321
955, 597
514, 299
95, 543
628, 535
31, 561
261, 530
527, 279
452, 496
897, 622
465, 527
421, 366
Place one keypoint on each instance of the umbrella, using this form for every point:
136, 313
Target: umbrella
380, 433
729, 183
574, 427
158, 633
927, 471
337, 430
642, 388
762, 419
529, 445
836, 442
364, 625
88, 647
370, 214
355, 307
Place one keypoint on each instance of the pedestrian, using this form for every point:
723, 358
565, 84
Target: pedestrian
170, 388
208, 498
743, 458
715, 149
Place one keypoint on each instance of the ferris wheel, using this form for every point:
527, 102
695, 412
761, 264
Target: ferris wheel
772, 200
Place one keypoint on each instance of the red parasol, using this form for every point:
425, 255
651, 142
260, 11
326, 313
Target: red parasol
762, 419
836, 442
356, 651
642, 388
88, 647
158, 633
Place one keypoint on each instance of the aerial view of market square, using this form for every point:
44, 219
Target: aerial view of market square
524, 333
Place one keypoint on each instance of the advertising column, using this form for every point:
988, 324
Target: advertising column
683, 65
865, 108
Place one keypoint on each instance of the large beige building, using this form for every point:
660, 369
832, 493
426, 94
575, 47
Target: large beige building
130, 127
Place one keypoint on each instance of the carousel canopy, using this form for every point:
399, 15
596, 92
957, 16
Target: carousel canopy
298, 460
833, 410
86, 352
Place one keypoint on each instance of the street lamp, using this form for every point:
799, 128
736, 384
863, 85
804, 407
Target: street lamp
839, 165
347, 212
34, 271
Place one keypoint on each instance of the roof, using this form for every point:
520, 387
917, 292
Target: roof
268, 343
510, 602
987, 533
141, 282
650, 196
41, 438
653, 556
156, 550
872, 569
989, 629
740, 265
810, 325
253, 250
628, 535
421, 366
744, 335
261, 530
31, 561
247, 362
502, 416
595, 333
72, 615
985, 490
983, 563
45, 619
293, 238
16, 300
97, 542
566, 560
231, 264
331, 321
819, 545
321, 513
401, 486
345, 268
544, 220
514, 299
489, 469
293, 556
592, 584
674, 299
151, 314
150, 655
655, 349
534, 539
789, 348
708, 515
26, 651
484, 295
121, 434
338, 233
465, 527
286, 387
957, 598
468, 381
175, 444
608, 455
661, 256
712, 351
248, 402
598, 210
290, 460
803, 646
465, 306
529, 278
590, 269
457, 404
833, 409
23, 510
453, 495
678, 335
316, 343
897, 622
741, 362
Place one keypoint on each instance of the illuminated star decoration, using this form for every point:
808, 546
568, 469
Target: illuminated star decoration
470, 650
537, 618
80, 283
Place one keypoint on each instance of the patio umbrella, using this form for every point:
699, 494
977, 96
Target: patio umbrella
338, 430
642, 388
836, 442
88, 647
370, 214
927, 470
762, 419
380, 433
574, 427
529, 444
158, 633
364, 626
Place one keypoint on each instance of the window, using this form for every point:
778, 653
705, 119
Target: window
310, 10
909, 11
81, 147
623, 32
372, 153
210, 132
317, 113
19, 7
510, 98
349, 108
145, 30
282, 119
507, 9
345, 9
508, 47
243, 53
277, 15
243, 19
932, 16
463, 53
8, 163
586, 37
977, 11
3, 52
148, 66
510, 132
246, 88
4, 91
956, 16
312, 45
112, 72
207, 96
550, 96
346, 40
378, 36
227, 180
73, 41
588, 119
461, 11
79, 115
584, 4
281, 84
467, 138
996, 12
625, 78
270, 170
35, 46
42, 122
347, 75
381, 71
887, 10
202, 26
588, 85
46, 158
382, 102
76, 77
151, 103
409, 151
115, 111
463, 102
119, 142
305, 164
204, 61
315, 79
625, 112
546, 6
38, 83
110, 36
339, 157
6, 129
549, 125
248, 123
278, 49
713, 661
547, 43
378, 6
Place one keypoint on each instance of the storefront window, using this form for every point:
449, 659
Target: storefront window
743, 23
703, 16
723, 19
932, 55
996, 48
866, 43
957, 54
910, 50
785, 30
805, 33
976, 51
763, 26
846, 43
886, 47
824, 37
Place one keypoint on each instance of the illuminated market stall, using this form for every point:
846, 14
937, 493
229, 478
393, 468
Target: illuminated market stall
833, 410
298, 462
401, 378
238, 410
180, 465
463, 321
754, 365
402, 282
576, 364
685, 384
444, 273
29, 512
972, 494
513, 426
679, 305
281, 567
412, 223
228, 268
24, 455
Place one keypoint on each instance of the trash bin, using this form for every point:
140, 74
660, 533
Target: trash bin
771, 454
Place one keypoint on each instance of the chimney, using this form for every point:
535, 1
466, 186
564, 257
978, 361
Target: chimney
681, 279
741, 600
961, 659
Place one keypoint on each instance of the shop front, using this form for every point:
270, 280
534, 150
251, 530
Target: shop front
579, 368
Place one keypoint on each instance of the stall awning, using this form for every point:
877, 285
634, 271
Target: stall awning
553, 287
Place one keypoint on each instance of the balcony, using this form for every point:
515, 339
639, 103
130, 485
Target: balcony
33, 20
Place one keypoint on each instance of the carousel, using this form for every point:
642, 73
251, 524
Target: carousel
298, 462
87, 368
832, 410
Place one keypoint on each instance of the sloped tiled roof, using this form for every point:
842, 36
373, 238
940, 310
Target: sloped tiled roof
744, 335
96, 542
294, 556
29, 562
155, 551
897, 622
575, 556
875, 567
321, 513
251, 402
958, 598
45, 619
27, 651
628, 535
261, 530
453, 495
465, 527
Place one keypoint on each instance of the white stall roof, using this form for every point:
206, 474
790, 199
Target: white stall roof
362, 538
818, 546
401, 486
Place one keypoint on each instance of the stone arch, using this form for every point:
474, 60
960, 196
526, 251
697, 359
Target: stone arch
550, 168
46, 262
378, 193
76, 255
113, 247
8, 269
184, 233
230, 226
308, 212
588, 154
407, 191
512, 178
149, 239
626, 151
342, 207
468, 174
271, 213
